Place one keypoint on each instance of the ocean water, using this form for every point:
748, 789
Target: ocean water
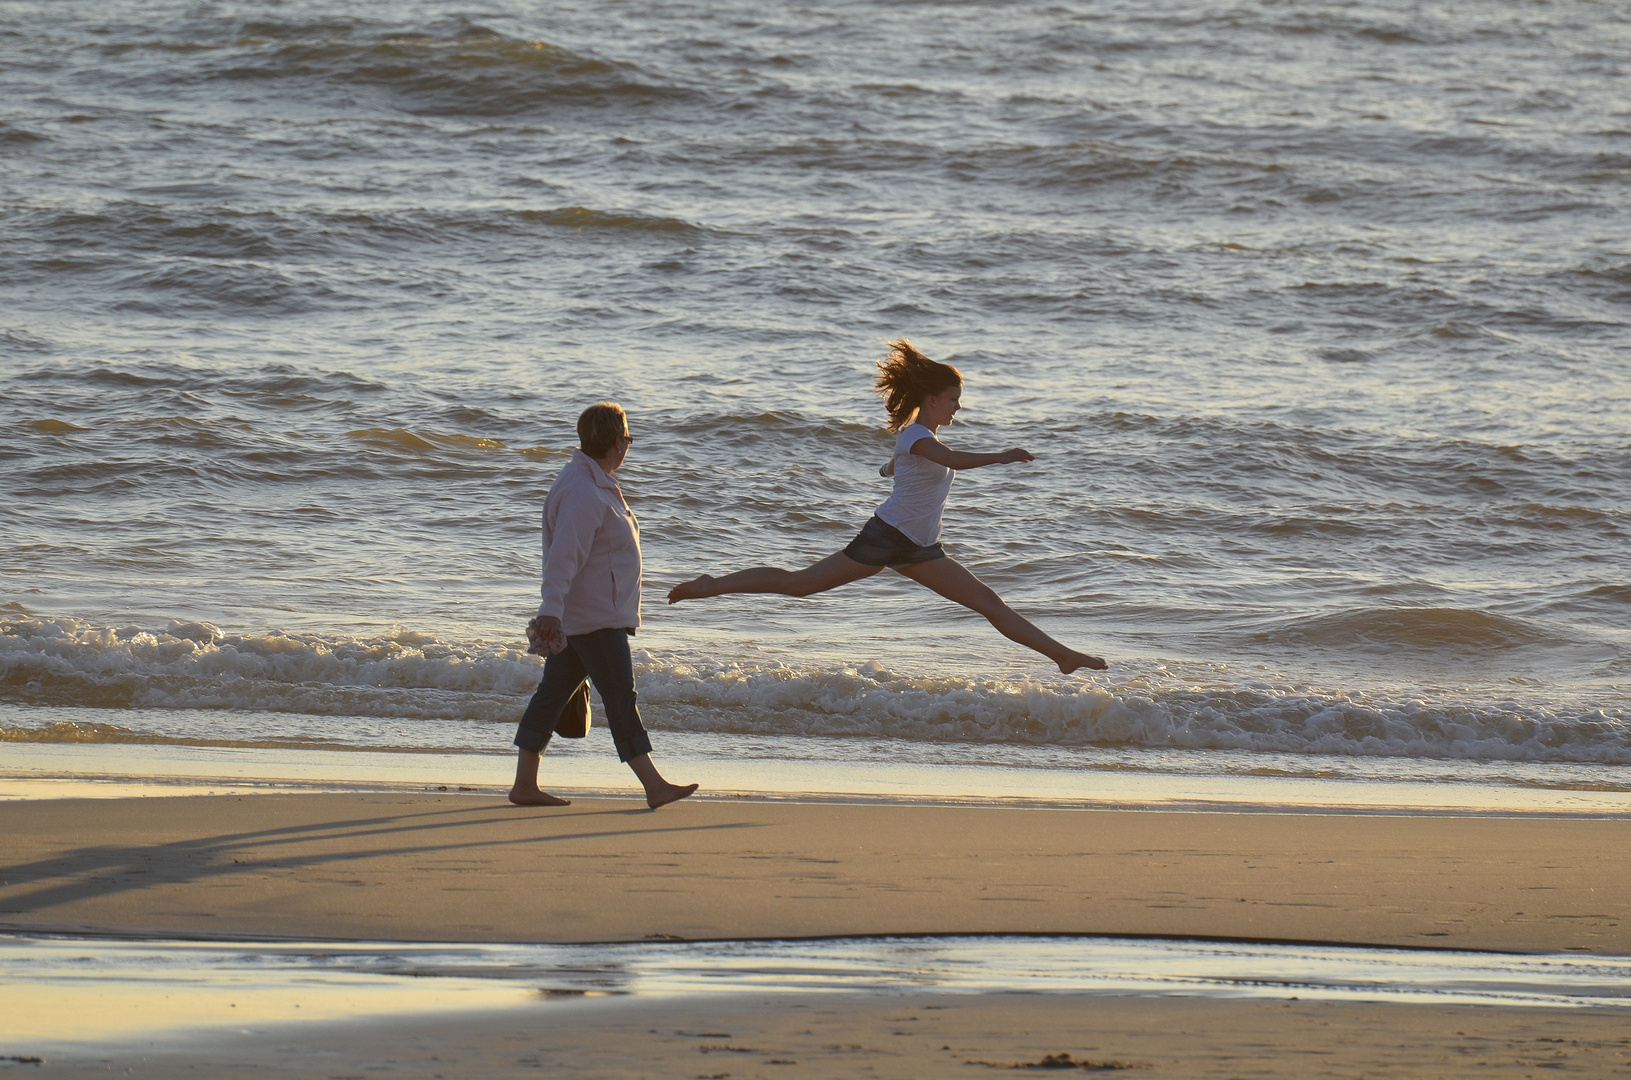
1317, 316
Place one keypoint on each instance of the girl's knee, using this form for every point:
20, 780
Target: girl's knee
990, 605
801, 583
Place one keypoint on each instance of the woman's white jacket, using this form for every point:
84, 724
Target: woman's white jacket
591, 551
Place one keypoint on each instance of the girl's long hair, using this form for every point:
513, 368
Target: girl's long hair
906, 377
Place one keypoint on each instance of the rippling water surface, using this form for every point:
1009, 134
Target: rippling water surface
1315, 314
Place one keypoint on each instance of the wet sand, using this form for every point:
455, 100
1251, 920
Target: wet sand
473, 868
908, 1037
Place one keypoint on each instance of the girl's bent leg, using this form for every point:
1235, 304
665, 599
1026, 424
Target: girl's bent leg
835, 570
954, 581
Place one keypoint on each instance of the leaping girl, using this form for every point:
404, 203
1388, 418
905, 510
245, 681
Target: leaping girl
921, 396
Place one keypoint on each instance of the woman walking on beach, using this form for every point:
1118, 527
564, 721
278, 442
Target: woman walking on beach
590, 608
921, 396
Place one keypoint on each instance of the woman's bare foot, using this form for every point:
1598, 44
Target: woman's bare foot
667, 793
535, 797
525, 790
1080, 660
659, 792
694, 589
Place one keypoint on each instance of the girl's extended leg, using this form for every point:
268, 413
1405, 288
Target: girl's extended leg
954, 581
835, 570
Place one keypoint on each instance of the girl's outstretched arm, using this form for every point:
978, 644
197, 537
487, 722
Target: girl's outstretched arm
941, 454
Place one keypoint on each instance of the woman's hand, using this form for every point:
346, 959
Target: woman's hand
544, 635
1010, 457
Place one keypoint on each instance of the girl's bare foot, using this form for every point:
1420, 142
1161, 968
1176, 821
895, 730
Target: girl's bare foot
667, 793
691, 590
535, 797
1080, 660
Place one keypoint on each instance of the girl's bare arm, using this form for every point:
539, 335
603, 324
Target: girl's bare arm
941, 454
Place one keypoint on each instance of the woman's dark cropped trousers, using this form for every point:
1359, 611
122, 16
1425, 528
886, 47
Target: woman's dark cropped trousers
603, 658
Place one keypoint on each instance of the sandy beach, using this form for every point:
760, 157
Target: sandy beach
908, 1038
473, 868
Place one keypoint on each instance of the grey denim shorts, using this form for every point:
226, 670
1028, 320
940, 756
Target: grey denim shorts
881, 544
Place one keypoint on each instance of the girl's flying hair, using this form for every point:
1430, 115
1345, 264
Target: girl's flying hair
906, 377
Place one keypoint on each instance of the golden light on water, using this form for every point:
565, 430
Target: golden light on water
109, 1007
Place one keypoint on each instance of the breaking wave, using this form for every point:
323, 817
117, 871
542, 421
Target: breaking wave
192, 665
407, 675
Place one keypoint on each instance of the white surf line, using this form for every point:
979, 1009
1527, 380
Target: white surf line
36, 771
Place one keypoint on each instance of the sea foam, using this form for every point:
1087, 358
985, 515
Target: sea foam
405, 674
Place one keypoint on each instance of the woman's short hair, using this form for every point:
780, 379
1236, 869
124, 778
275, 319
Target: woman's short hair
601, 425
